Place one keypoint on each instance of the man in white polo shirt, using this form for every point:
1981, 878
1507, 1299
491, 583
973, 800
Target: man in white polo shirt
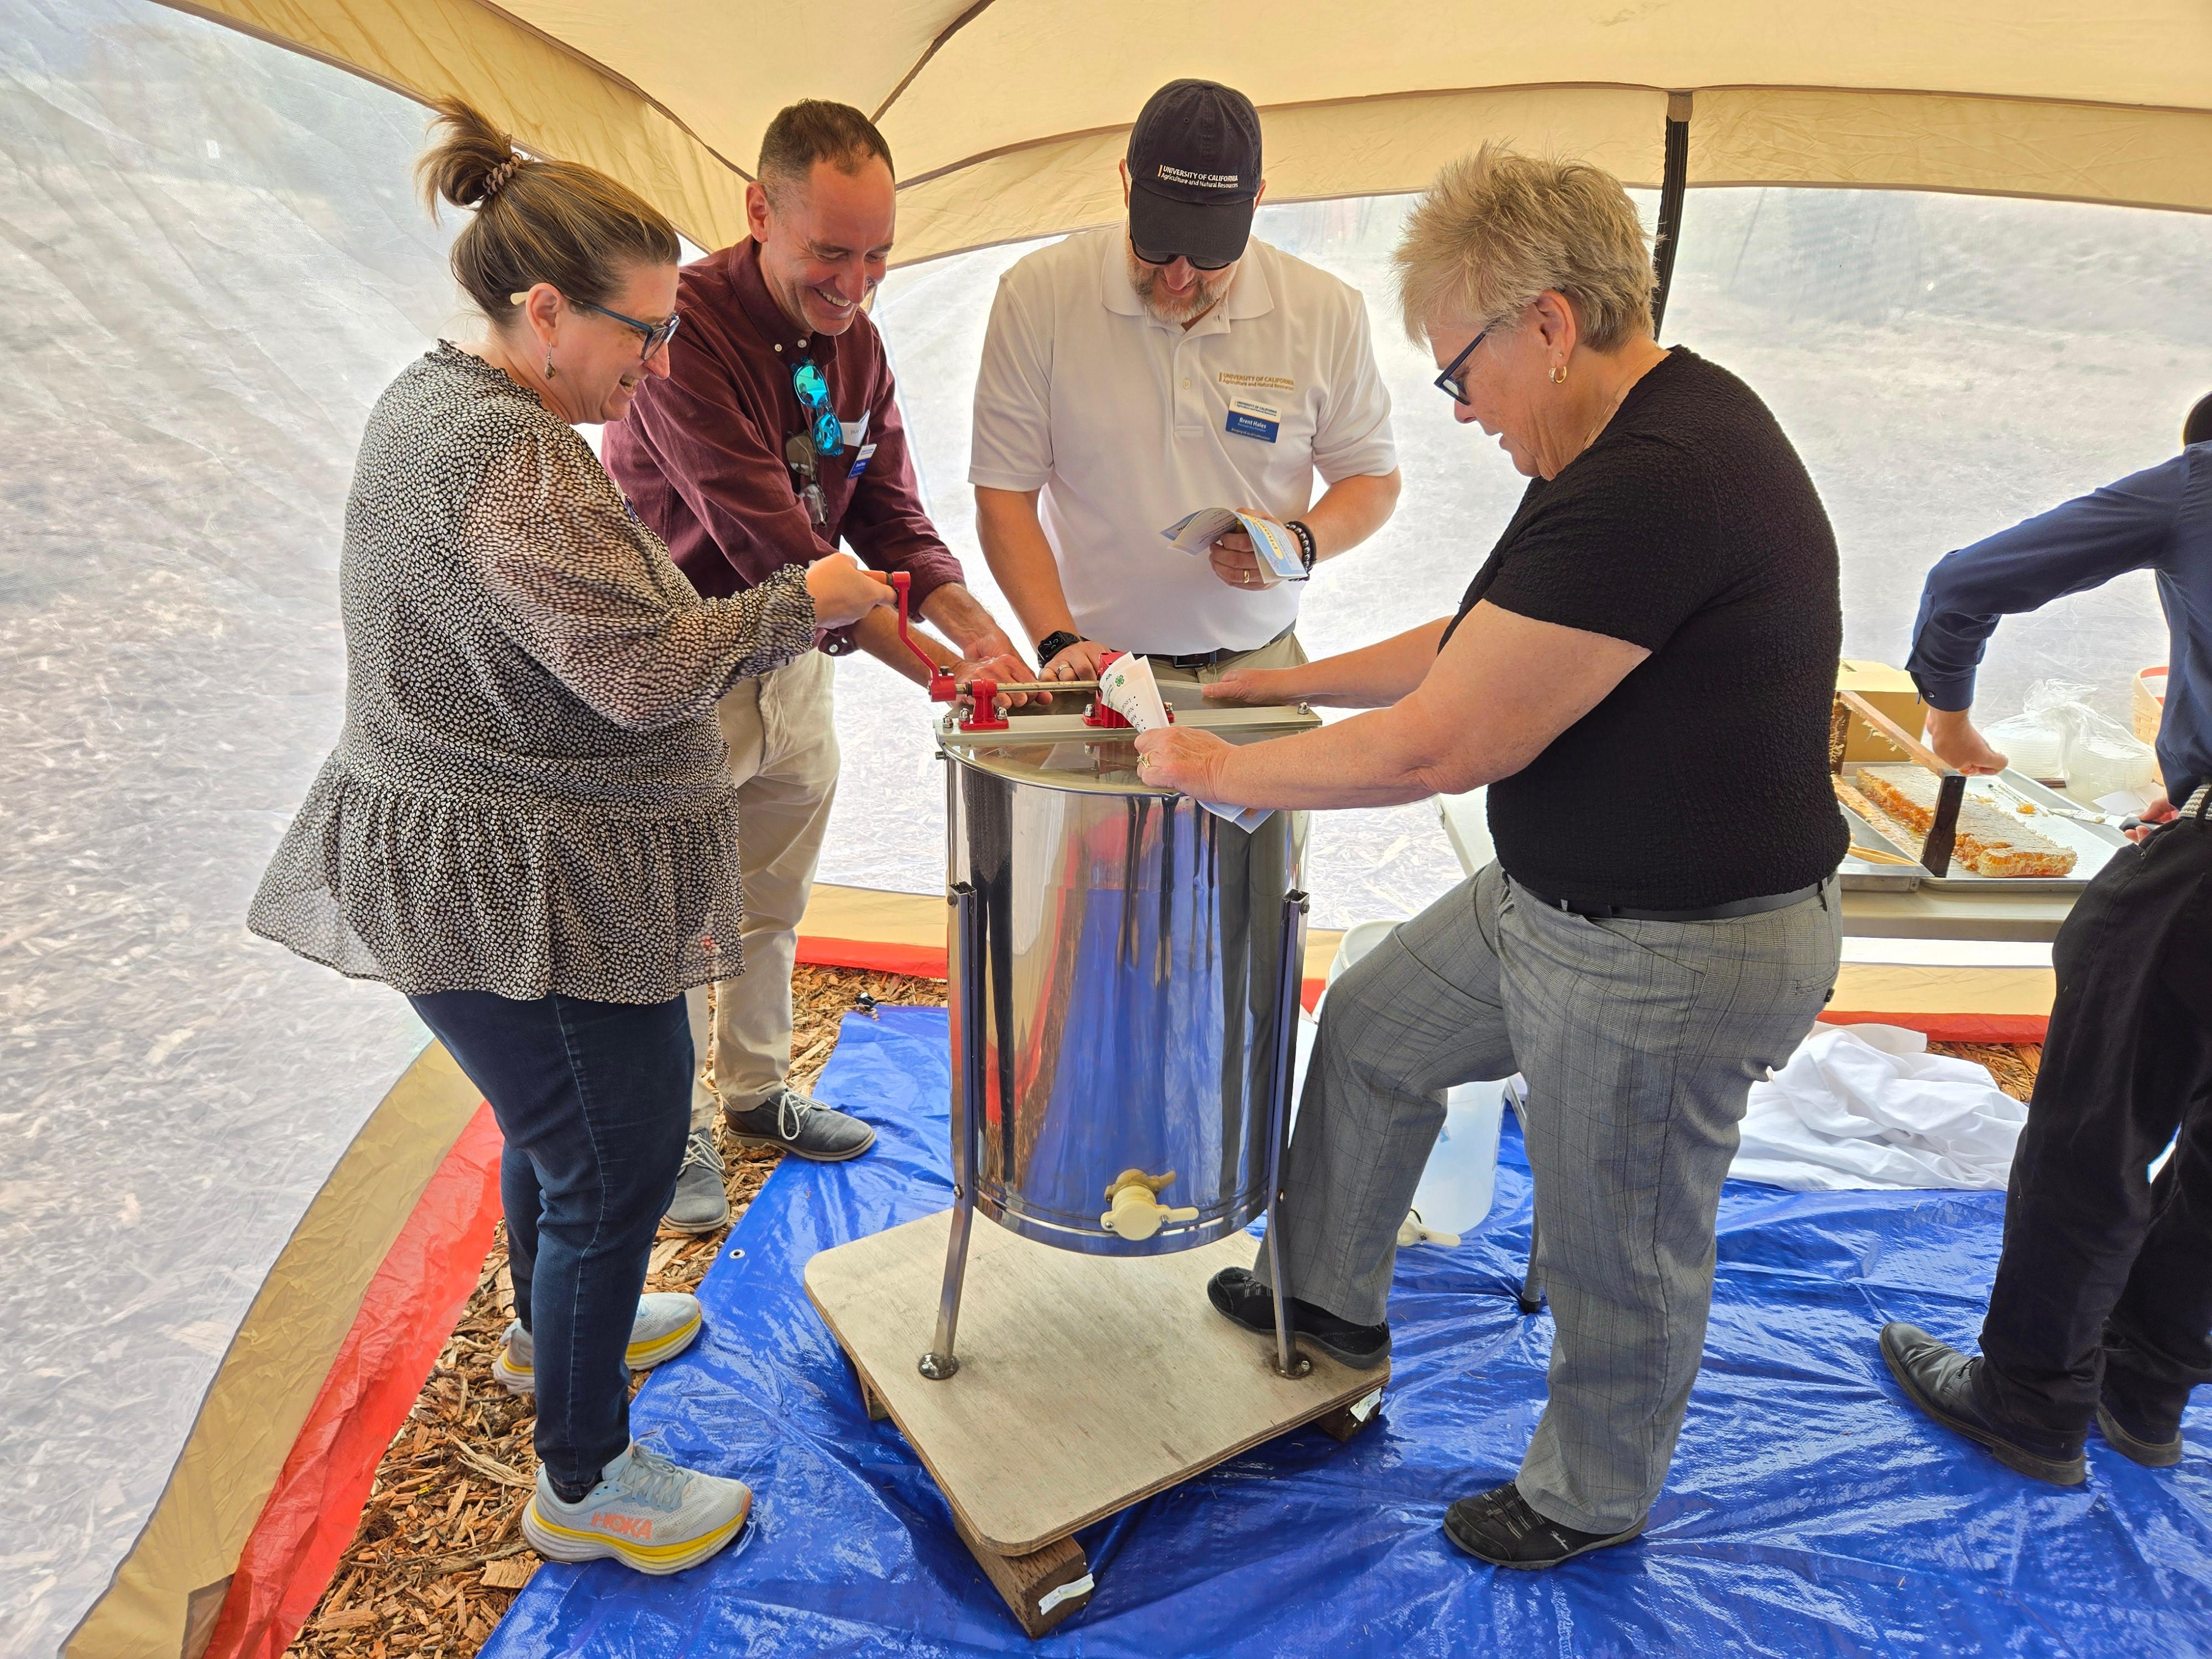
1135, 375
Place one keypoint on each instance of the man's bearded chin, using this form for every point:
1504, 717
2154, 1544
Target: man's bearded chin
1177, 307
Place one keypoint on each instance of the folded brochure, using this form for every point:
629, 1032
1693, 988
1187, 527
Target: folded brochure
1129, 689
1277, 548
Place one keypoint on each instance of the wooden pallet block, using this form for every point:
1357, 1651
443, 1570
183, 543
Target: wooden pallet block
1085, 1383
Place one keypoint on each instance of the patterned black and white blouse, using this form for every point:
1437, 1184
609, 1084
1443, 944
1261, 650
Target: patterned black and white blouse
530, 794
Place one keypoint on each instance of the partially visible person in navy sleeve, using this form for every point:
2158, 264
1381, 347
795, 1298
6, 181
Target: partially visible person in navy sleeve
2102, 1307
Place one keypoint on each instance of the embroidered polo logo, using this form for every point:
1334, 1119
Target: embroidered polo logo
1270, 382
630, 1526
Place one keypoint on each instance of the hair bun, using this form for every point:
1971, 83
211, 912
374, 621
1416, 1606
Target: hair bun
468, 159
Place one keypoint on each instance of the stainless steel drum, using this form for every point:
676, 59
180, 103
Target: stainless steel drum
1124, 970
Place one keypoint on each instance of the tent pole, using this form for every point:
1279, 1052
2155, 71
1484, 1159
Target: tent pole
1671, 185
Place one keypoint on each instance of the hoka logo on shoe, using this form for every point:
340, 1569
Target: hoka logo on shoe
630, 1526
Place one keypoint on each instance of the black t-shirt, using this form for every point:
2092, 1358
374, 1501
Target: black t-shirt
1689, 527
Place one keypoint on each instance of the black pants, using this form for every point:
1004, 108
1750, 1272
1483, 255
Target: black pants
595, 1100
2107, 1277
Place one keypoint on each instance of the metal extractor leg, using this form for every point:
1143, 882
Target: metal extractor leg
965, 971
1532, 1287
1291, 980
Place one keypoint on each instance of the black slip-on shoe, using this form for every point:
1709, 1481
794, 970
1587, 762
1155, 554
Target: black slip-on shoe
1500, 1527
2138, 1443
1238, 1295
1940, 1380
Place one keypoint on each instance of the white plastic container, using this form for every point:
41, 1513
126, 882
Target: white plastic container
1461, 1178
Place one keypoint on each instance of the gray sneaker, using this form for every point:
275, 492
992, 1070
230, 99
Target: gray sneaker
645, 1512
666, 1324
789, 1120
700, 1204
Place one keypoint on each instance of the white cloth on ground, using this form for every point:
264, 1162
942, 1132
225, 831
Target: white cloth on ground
1868, 1106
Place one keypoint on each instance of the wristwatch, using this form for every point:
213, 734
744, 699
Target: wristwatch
1053, 644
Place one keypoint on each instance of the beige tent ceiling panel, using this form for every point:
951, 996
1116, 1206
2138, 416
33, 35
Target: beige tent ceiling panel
1373, 147
724, 67
1023, 68
1999, 147
1001, 125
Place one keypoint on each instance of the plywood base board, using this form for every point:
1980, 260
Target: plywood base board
1086, 1383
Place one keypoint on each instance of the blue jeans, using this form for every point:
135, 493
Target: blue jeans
595, 1100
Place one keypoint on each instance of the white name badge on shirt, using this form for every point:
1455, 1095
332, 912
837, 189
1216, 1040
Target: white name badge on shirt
856, 432
1251, 418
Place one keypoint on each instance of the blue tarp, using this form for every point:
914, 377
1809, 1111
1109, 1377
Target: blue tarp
1809, 1511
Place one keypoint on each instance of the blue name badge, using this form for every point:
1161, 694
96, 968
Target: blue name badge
1249, 418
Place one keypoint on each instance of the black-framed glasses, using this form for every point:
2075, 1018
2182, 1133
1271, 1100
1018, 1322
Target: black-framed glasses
656, 335
1196, 264
1449, 380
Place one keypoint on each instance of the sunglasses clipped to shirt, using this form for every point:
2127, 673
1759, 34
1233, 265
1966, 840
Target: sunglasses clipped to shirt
824, 435
656, 335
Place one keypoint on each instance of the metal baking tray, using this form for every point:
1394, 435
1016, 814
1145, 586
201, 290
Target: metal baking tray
1864, 875
2094, 844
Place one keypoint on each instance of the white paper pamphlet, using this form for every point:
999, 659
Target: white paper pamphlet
1127, 686
1277, 548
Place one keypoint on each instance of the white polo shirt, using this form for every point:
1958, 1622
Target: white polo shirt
1126, 423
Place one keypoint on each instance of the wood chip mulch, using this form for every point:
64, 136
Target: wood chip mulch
439, 1554
2012, 1065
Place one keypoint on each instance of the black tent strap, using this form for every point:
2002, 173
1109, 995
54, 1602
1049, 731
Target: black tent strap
1672, 183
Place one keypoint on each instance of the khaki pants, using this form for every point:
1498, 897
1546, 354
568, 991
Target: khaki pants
1286, 652
781, 730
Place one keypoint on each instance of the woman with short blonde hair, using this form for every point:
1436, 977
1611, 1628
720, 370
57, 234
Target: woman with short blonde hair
1641, 672
526, 826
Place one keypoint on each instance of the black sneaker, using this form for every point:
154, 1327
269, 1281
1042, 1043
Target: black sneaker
1940, 1380
1241, 1296
789, 1120
1498, 1527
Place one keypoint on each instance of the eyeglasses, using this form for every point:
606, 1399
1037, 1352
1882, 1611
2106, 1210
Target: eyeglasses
828, 433
1449, 380
656, 335
1196, 264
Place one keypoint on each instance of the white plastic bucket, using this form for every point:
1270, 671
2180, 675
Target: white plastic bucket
1462, 1177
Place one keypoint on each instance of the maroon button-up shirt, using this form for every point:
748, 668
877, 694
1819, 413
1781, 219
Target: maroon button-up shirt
700, 454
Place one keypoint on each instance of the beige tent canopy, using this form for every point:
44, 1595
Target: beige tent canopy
1006, 116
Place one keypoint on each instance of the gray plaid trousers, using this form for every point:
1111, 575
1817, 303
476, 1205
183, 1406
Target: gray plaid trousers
1639, 1040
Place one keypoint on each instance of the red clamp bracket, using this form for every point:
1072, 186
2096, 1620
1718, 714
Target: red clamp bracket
941, 688
984, 713
1099, 714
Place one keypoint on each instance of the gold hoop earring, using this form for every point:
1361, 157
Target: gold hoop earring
1559, 374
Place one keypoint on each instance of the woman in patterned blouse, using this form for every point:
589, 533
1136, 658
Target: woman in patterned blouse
527, 826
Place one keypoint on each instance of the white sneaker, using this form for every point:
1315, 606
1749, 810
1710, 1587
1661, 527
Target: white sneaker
667, 1322
647, 1513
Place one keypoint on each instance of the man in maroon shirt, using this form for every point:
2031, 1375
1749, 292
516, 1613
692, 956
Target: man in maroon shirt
777, 433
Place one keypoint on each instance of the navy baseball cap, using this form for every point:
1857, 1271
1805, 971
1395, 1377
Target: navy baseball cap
1193, 174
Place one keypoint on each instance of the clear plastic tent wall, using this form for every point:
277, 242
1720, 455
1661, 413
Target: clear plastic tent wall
214, 262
